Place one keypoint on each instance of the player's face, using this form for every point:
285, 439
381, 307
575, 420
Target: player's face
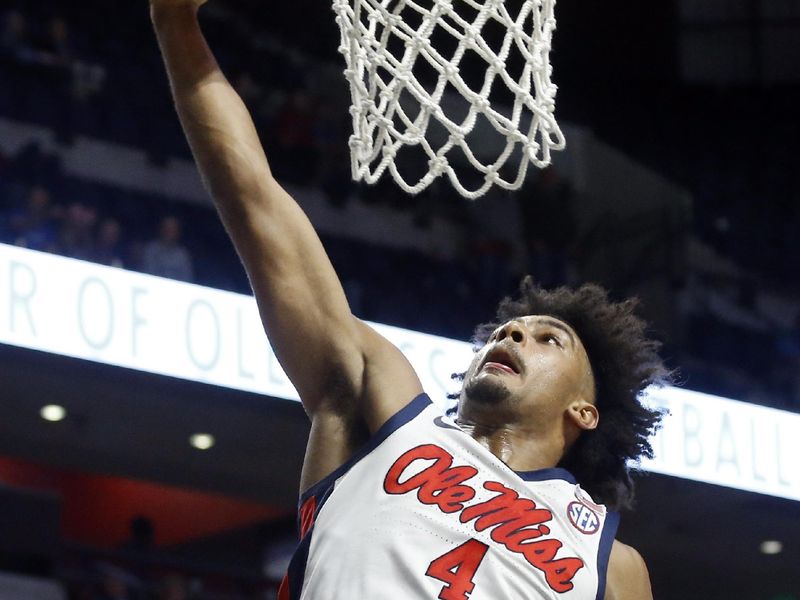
530, 367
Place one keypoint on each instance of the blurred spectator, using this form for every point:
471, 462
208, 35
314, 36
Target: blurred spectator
77, 236
788, 373
165, 256
33, 165
295, 135
491, 260
116, 584
57, 44
173, 587
548, 227
250, 91
35, 226
14, 40
330, 142
141, 537
81, 591
108, 250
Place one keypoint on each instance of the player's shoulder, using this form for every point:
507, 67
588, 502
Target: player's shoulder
627, 577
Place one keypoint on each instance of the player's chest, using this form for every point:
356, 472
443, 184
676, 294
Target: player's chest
458, 520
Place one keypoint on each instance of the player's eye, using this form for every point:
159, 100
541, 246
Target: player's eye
551, 338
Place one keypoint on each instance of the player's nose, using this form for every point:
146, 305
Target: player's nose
513, 330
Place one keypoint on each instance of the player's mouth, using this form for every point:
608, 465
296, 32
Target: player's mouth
500, 359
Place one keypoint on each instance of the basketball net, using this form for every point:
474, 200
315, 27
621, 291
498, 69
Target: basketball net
380, 70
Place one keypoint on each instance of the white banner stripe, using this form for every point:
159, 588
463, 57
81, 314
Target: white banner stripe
116, 317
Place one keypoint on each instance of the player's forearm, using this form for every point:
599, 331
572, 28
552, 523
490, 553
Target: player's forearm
216, 122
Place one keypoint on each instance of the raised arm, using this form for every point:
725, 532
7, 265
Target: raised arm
343, 371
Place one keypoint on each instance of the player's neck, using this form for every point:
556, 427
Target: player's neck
519, 448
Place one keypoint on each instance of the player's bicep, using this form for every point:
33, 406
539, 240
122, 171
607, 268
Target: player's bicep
390, 382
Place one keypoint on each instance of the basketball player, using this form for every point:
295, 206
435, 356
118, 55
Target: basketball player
399, 501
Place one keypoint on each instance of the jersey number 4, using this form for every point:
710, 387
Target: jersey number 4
457, 569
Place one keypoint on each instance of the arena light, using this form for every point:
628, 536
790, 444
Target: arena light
771, 547
202, 441
137, 321
53, 413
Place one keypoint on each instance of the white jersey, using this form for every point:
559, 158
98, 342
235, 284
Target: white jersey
423, 511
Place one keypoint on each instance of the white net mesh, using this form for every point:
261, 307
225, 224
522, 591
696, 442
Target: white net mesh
399, 76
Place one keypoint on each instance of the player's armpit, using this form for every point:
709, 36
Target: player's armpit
627, 577
341, 422
389, 382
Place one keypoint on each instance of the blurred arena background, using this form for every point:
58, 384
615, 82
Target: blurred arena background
681, 184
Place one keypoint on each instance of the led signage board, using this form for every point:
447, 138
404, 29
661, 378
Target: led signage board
137, 321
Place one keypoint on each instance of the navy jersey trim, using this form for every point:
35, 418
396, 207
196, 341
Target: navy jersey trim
537, 475
604, 551
546, 474
296, 572
322, 490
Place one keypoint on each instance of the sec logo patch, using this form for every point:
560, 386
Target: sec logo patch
583, 518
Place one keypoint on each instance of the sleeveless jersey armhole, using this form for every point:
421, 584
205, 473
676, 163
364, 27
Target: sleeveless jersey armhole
322, 488
604, 551
313, 499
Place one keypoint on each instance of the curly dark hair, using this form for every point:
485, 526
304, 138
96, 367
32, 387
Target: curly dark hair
624, 362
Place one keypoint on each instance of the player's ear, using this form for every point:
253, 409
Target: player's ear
583, 414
